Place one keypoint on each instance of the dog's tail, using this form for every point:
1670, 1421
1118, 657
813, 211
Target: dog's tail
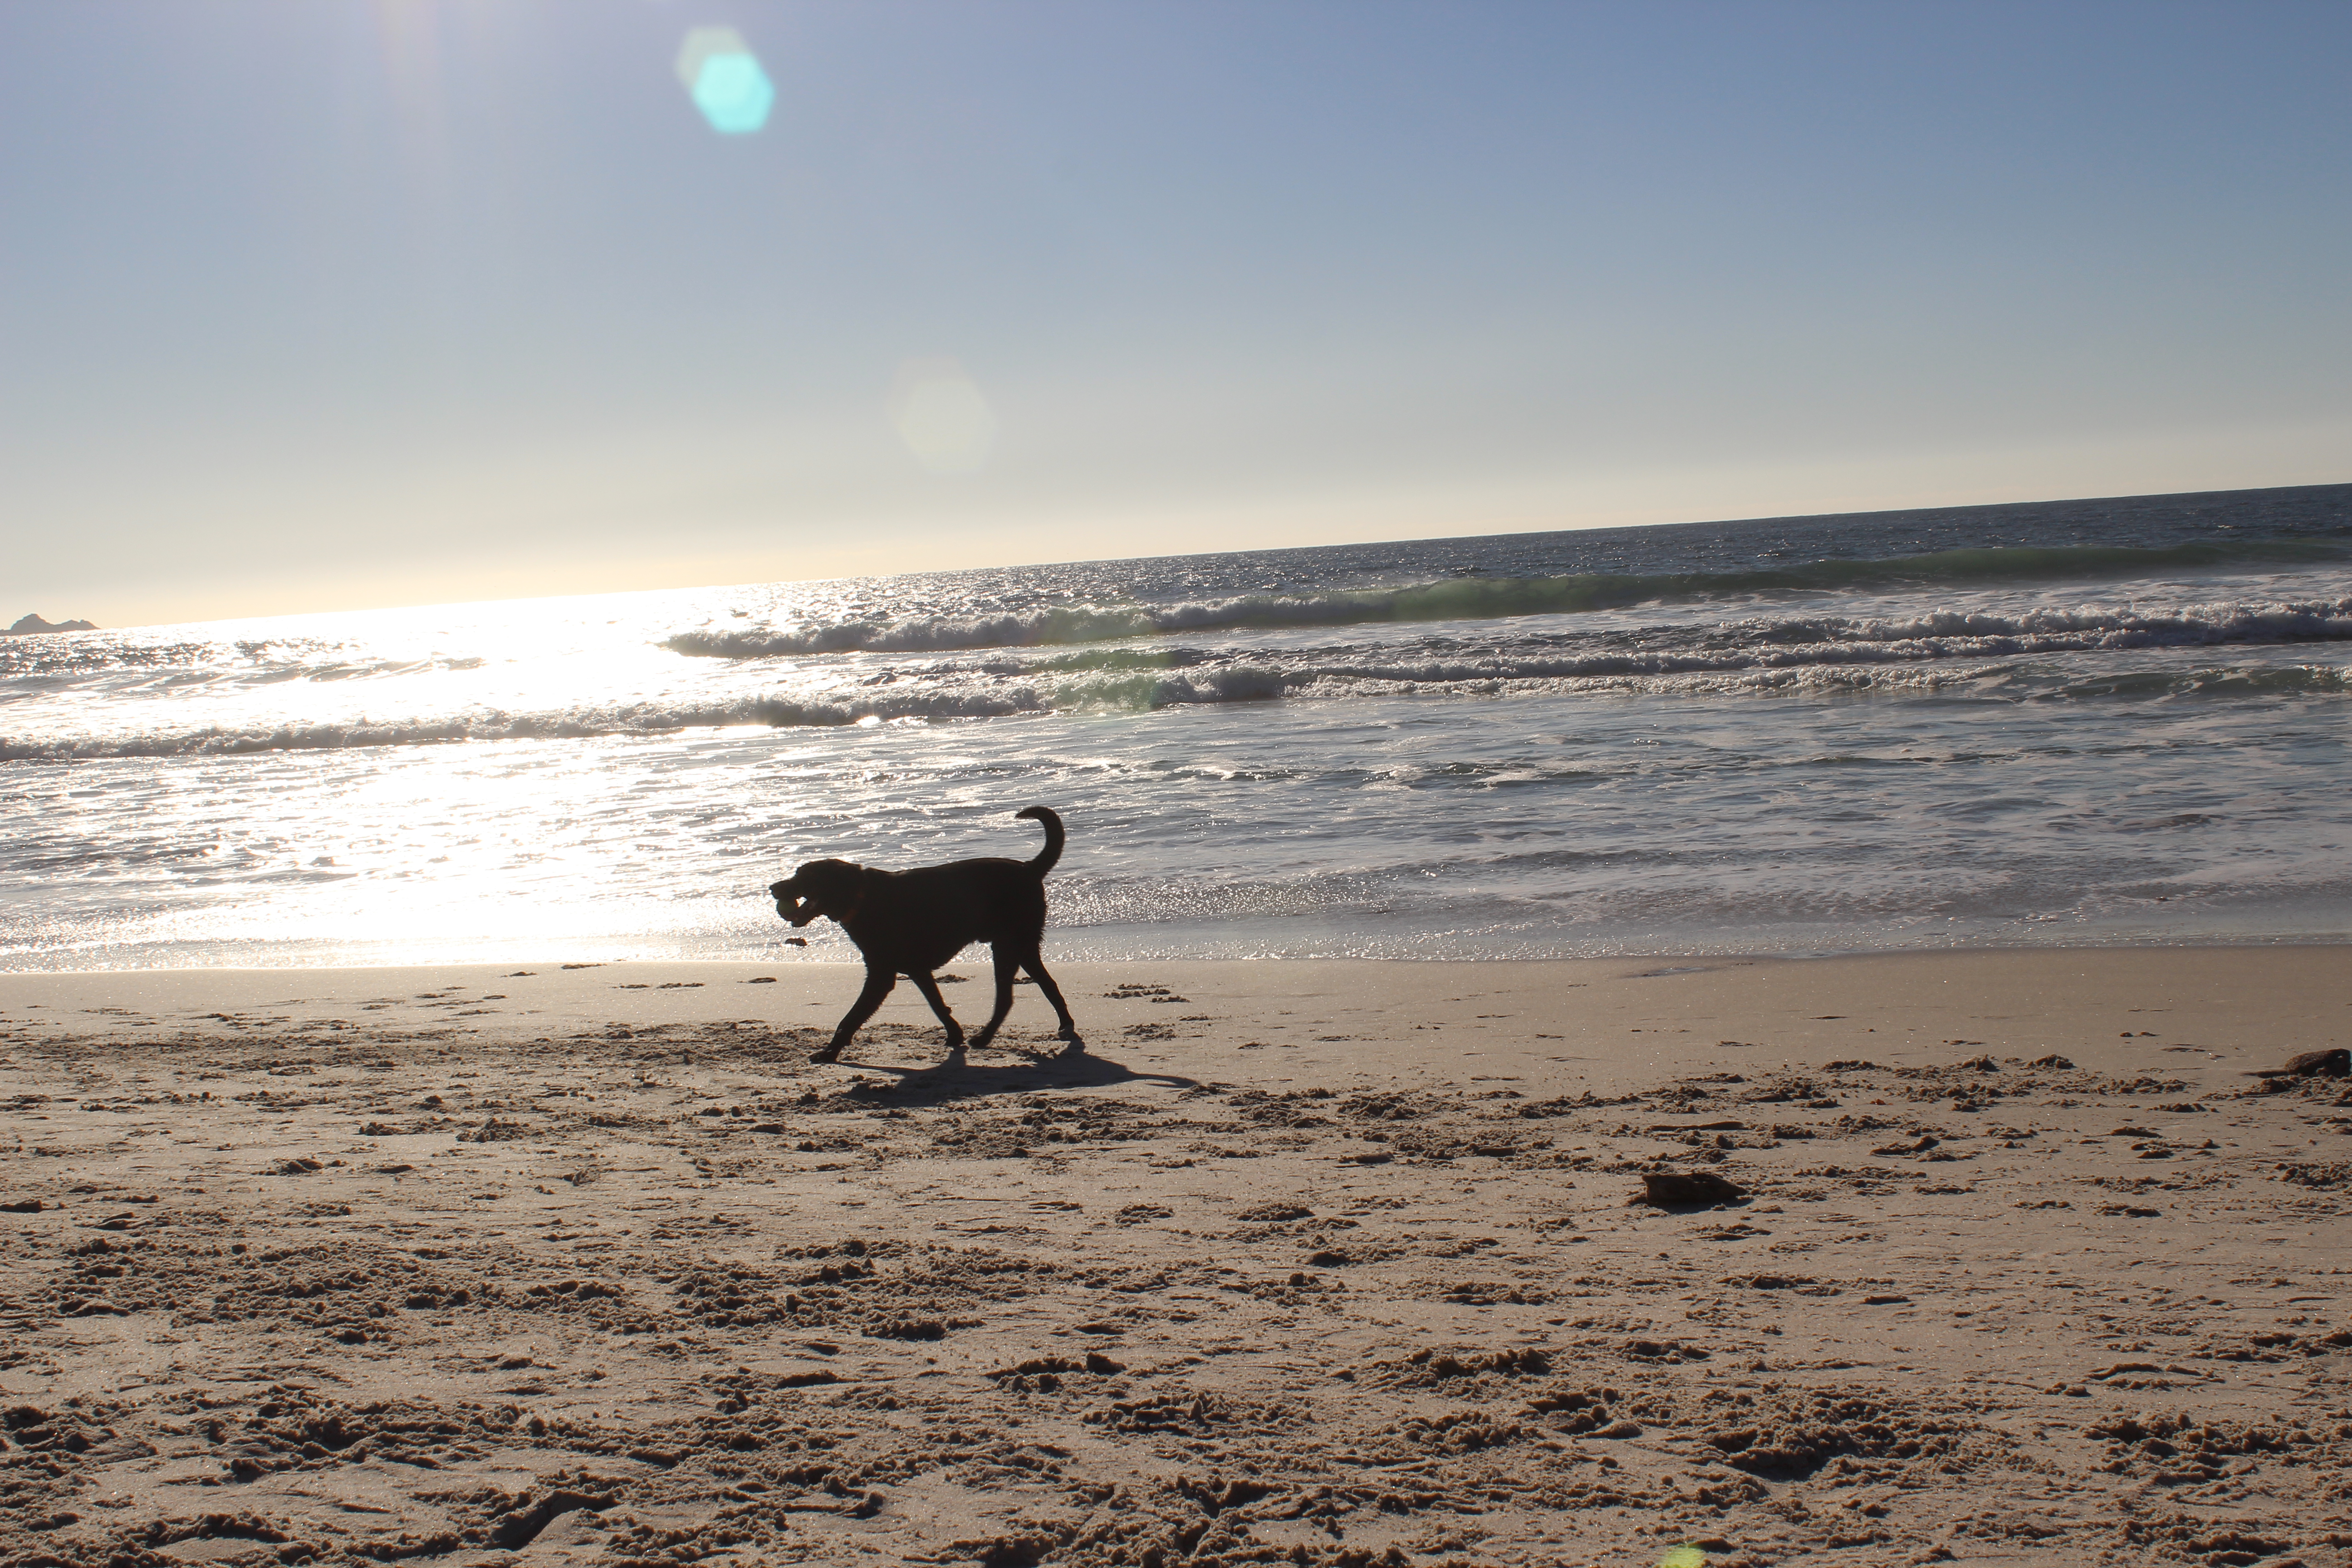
1054, 836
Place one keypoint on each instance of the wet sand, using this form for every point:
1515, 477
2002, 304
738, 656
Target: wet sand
1297, 1262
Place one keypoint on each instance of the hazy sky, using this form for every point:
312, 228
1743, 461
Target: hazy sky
341, 303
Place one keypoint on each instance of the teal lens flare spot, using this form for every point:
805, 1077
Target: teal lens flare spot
734, 94
725, 80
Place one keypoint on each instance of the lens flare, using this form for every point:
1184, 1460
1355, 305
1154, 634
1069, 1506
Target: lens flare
942, 417
724, 78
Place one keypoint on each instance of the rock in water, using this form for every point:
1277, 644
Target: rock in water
1689, 1189
31, 625
2336, 1063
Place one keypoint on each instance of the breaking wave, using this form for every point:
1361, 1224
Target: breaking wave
1759, 655
1475, 598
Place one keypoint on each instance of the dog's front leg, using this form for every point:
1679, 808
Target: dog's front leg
878, 983
931, 989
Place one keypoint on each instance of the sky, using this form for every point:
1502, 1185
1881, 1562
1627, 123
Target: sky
351, 303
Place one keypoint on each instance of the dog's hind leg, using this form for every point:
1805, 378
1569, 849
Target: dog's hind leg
931, 989
1007, 965
878, 985
1035, 964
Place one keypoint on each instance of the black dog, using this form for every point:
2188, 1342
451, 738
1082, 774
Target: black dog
910, 922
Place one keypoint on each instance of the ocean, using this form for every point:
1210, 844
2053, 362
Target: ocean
2084, 722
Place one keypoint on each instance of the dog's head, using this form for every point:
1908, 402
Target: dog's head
819, 887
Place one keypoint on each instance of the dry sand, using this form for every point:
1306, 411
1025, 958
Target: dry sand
1299, 1262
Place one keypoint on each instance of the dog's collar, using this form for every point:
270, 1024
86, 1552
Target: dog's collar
856, 904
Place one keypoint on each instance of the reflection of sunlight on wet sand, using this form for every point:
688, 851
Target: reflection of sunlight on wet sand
455, 922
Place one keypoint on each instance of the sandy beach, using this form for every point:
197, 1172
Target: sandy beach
1298, 1262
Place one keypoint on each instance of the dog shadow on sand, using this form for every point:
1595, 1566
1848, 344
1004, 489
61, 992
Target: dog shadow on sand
960, 1077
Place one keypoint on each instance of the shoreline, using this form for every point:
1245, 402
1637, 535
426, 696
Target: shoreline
1300, 1260
977, 956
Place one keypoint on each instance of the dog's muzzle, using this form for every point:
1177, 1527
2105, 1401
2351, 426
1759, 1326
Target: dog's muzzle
791, 906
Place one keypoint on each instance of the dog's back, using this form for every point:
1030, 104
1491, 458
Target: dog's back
938, 911
928, 914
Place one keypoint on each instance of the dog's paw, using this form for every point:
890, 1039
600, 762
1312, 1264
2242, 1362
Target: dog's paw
830, 1054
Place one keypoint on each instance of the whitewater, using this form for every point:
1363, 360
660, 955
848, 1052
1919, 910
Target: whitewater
2118, 720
